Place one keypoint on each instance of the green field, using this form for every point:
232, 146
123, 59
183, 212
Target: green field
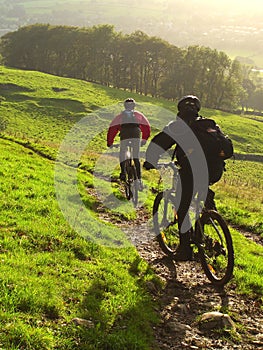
50, 274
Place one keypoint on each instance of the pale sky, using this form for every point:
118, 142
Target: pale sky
229, 6
233, 4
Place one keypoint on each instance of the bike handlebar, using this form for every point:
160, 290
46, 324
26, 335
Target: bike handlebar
173, 165
115, 145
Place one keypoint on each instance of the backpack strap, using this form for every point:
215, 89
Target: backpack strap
128, 119
174, 153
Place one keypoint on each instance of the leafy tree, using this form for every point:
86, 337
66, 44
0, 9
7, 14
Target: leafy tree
256, 100
138, 59
157, 49
136, 62
172, 82
118, 63
99, 54
249, 88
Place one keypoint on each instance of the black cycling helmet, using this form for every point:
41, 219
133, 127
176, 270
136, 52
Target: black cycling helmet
129, 103
189, 100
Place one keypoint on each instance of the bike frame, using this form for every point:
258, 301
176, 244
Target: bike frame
129, 156
210, 233
171, 192
130, 185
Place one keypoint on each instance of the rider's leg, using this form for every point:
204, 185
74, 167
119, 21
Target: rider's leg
184, 194
136, 156
210, 202
123, 146
138, 168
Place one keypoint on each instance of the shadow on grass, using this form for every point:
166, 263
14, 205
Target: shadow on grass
116, 325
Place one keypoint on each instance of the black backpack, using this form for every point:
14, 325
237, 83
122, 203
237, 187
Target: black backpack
216, 145
128, 119
129, 126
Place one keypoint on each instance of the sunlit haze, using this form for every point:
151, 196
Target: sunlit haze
233, 26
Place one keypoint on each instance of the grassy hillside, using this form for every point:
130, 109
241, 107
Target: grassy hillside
50, 274
39, 111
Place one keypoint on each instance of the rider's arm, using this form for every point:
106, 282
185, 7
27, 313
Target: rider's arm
114, 128
144, 125
163, 141
158, 145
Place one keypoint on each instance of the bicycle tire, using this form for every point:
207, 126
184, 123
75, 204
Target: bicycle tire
127, 186
165, 222
127, 190
133, 185
215, 247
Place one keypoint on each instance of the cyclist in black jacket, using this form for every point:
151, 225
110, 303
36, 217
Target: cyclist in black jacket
199, 142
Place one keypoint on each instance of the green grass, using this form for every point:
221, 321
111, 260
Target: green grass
248, 266
239, 195
245, 132
50, 273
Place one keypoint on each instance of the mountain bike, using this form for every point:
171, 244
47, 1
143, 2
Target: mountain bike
131, 184
210, 238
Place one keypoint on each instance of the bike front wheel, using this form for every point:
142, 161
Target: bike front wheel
165, 222
131, 186
215, 247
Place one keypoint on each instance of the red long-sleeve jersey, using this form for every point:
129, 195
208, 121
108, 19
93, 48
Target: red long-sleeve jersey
139, 120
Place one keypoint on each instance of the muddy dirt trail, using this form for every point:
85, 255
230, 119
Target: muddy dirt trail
187, 295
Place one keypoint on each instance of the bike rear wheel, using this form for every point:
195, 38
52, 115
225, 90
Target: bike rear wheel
134, 186
127, 186
215, 247
165, 222
131, 185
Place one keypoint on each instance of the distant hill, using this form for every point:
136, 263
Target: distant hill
180, 23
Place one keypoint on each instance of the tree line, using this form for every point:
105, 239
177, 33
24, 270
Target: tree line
135, 62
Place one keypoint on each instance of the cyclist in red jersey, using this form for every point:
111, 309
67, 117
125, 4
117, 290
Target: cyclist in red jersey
133, 127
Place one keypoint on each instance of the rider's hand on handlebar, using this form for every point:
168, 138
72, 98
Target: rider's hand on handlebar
148, 165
